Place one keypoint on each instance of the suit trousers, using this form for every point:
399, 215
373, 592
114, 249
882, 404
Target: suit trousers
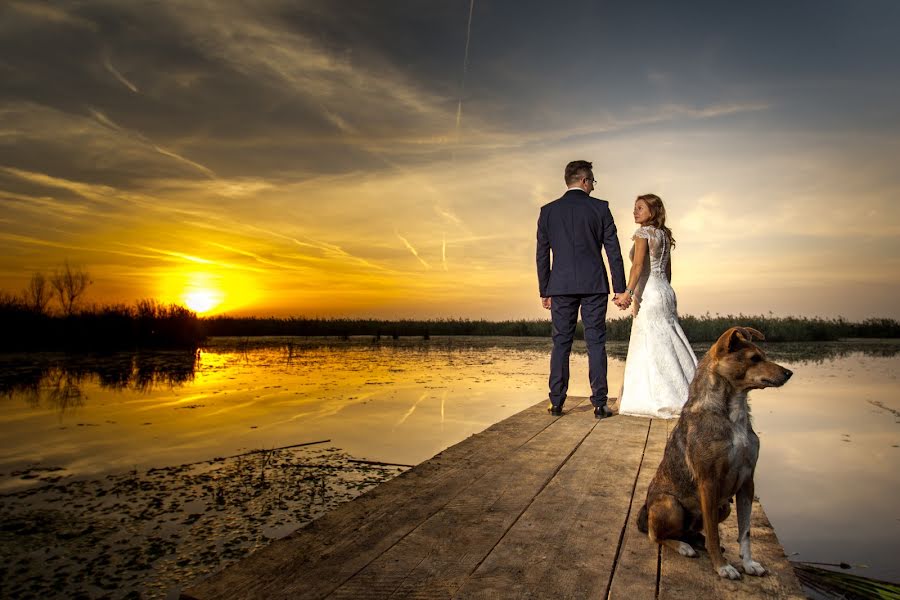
564, 316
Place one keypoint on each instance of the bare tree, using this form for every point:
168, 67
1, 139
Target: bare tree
69, 283
38, 293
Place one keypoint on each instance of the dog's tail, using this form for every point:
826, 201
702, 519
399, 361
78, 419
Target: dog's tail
642, 519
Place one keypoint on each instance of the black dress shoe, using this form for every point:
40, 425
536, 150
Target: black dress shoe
602, 411
554, 410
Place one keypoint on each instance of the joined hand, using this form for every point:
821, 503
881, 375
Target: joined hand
622, 300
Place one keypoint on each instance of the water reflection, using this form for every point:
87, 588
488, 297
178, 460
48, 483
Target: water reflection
60, 390
827, 471
829, 464
57, 381
399, 401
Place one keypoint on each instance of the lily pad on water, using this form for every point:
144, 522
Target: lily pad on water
146, 534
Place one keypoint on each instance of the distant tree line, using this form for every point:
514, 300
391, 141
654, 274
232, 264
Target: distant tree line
50, 314
697, 329
300, 326
790, 329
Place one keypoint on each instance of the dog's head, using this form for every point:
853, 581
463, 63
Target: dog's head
744, 363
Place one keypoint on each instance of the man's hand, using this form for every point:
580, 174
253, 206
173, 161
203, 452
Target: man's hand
622, 300
545, 302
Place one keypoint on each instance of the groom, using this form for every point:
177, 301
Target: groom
574, 228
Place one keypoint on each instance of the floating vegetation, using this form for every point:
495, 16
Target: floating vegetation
148, 534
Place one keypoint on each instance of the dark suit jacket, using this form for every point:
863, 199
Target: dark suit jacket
574, 228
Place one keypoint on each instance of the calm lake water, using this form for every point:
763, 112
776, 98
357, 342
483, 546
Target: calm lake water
99, 454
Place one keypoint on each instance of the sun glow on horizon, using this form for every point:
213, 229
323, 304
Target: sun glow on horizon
207, 292
203, 300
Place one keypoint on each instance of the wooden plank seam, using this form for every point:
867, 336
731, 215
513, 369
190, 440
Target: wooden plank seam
615, 564
538, 493
454, 497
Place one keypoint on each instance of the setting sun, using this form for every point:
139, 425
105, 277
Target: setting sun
202, 301
207, 291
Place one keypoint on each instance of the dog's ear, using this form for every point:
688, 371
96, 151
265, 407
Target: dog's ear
751, 333
732, 339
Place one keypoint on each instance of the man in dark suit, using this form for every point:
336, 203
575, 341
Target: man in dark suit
574, 228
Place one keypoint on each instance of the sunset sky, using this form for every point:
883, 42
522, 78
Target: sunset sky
389, 159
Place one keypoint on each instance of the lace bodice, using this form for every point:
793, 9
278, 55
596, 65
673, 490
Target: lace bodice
659, 249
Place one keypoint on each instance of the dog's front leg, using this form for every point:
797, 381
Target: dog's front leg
744, 506
709, 505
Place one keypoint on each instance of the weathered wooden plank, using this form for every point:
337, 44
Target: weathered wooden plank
683, 577
637, 568
509, 513
437, 557
565, 543
313, 561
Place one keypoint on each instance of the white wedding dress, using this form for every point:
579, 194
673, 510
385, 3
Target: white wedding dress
660, 363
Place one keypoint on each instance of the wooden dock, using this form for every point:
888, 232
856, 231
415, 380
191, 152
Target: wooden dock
533, 507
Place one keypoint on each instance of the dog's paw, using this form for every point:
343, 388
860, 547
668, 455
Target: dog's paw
728, 572
686, 550
751, 567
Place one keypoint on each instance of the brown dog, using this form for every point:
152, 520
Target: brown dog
711, 454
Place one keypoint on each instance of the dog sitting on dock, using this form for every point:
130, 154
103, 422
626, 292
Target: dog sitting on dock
711, 454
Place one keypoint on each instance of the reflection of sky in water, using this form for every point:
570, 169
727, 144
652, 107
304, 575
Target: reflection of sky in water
829, 466
828, 470
396, 402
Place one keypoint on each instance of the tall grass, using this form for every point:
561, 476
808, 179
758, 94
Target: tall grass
250, 326
790, 329
697, 329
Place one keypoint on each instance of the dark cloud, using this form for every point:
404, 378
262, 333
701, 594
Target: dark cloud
282, 89
245, 91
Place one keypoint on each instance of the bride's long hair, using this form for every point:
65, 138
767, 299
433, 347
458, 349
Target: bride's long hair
658, 215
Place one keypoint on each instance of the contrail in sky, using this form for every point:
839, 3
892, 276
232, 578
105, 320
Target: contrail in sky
448, 215
109, 67
413, 250
462, 90
106, 121
207, 171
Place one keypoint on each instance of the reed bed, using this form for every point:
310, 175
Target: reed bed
146, 324
151, 324
698, 329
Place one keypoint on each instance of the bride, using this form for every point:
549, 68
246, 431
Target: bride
660, 363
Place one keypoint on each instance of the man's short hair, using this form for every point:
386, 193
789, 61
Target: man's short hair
577, 169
